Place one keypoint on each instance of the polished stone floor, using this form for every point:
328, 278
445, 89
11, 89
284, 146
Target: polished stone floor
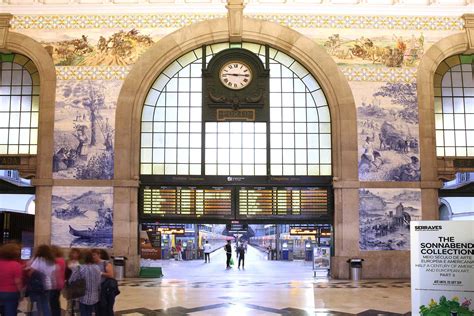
263, 288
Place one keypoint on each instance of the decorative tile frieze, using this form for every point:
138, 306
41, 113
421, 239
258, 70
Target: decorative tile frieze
380, 74
92, 73
108, 21
352, 73
423, 23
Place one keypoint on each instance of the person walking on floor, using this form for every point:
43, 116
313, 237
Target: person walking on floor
58, 283
43, 268
179, 251
10, 278
241, 255
89, 271
207, 252
72, 264
228, 251
105, 307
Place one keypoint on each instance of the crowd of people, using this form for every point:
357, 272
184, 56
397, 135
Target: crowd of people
45, 276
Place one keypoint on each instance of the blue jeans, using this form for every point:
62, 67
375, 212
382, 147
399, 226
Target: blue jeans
10, 302
86, 310
42, 303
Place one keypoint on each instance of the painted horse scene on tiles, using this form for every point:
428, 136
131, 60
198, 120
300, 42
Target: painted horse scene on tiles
109, 48
382, 48
387, 120
85, 129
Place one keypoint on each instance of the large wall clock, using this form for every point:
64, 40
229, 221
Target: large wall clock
235, 87
235, 75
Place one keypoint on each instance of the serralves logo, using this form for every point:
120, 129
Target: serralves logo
428, 228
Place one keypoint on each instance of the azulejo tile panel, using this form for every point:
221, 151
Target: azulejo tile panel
108, 21
92, 73
352, 73
379, 74
169, 20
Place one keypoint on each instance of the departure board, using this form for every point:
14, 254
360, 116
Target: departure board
283, 201
186, 202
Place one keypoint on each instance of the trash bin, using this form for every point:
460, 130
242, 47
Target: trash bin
355, 268
119, 267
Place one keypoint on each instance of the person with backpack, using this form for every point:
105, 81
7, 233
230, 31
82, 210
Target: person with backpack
41, 279
10, 278
90, 272
109, 286
59, 281
72, 263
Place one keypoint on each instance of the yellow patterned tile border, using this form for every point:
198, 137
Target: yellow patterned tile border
352, 73
381, 74
92, 72
422, 23
129, 21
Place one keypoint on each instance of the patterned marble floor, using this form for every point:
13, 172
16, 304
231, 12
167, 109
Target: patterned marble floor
264, 288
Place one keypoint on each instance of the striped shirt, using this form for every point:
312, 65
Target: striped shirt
91, 273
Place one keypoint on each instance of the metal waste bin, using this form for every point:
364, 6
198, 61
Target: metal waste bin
355, 268
119, 267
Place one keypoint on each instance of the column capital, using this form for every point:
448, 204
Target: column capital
469, 27
5, 19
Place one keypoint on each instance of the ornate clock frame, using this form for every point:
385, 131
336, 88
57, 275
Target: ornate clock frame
250, 103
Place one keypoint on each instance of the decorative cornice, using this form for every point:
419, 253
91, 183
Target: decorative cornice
179, 20
5, 19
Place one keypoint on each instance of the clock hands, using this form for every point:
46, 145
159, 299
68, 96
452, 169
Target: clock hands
236, 75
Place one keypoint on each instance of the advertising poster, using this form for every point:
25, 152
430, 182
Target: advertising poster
150, 245
442, 268
321, 261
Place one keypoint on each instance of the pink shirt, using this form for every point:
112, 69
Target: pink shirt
60, 273
9, 271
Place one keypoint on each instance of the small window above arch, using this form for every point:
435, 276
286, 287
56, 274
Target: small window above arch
19, 104
454, 107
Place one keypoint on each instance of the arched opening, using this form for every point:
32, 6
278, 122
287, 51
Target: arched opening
36, 163
159, 57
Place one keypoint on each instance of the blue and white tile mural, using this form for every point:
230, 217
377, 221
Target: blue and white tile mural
82, 217
384, 217
387, 120
84, 129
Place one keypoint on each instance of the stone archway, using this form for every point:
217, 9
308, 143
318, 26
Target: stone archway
446, 47
307, 52
25, 45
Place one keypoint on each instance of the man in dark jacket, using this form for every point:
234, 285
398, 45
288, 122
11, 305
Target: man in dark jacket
241, 254
228, 251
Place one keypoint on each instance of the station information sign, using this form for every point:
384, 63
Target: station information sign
237, 228
172, 229
264, 201
186, 201
303, 230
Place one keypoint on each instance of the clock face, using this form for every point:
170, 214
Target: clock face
235, 75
